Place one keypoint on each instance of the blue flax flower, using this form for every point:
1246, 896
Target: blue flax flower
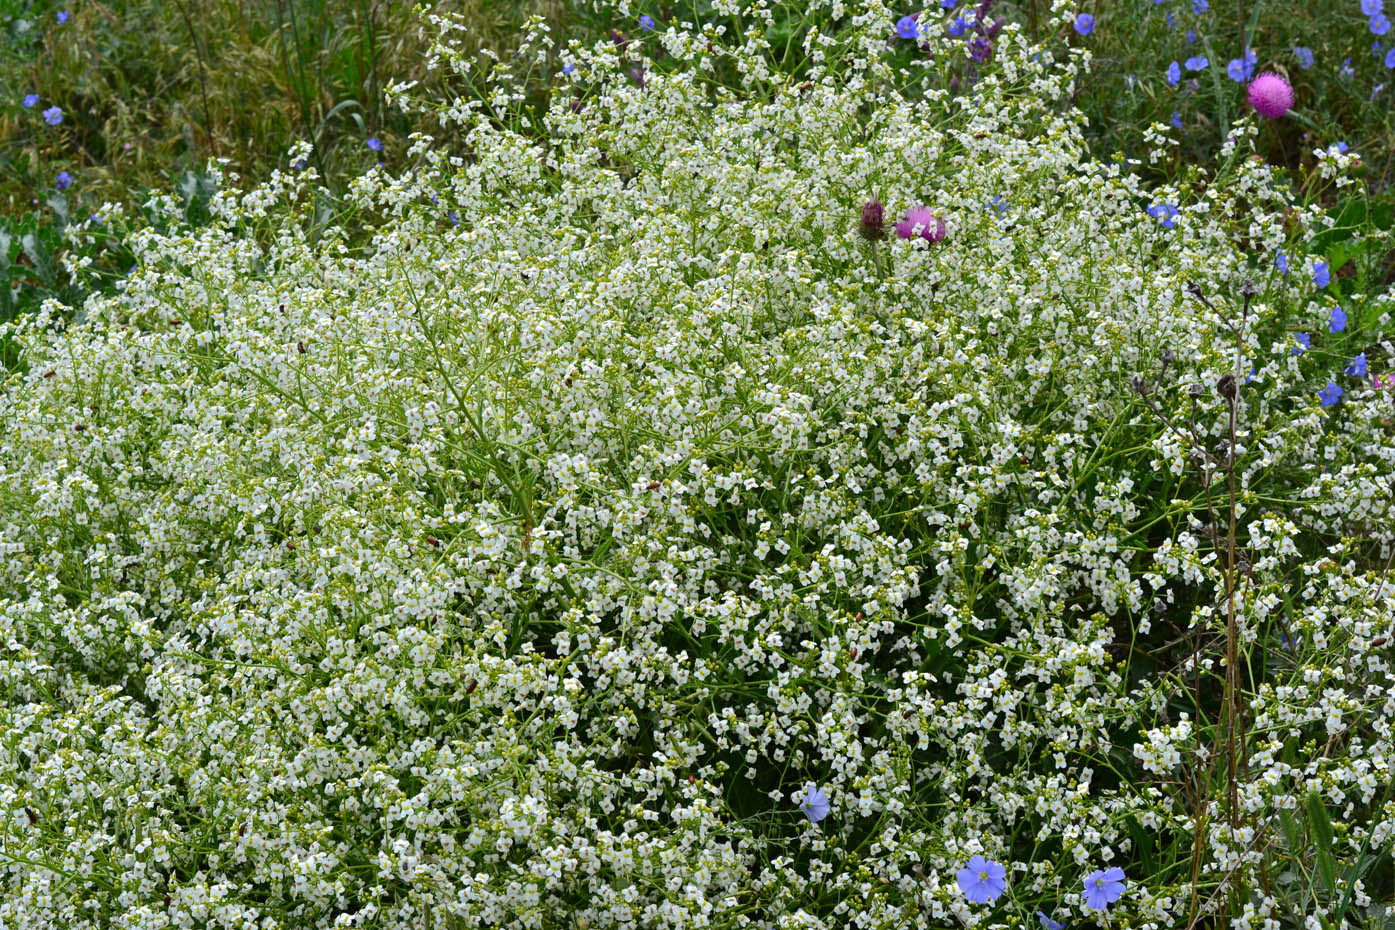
1330, 394
1104, 887
1321, 277
30, 100
65, 180
1371, 7
907, 27
958, 27
1084, 24
949, 4
1379, 24
1304, 56
1199, 63
1200, 6
1242, 69
1174, 74
62, 17
646, 22
1048, 923
1176, 119
1191, 36
1171, 22
1338, 320
53, 116
1357, 367
374, 145
982, 881
1164, 213
1305, 342
1390, 57
1281, 263
814, 803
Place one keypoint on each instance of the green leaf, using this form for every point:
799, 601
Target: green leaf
1320, 824
1291, 834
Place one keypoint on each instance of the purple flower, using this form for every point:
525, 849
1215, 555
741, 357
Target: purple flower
1281, 263
1084, 24
982, 881
1199, 63
814, 803
1174, 74
1271, 95
873, 221
1305, 342
62, 17
53, 116
1357, 367
646, 22
1048, 923
948, 4
1200, 6
1104, 887
65, 180
907, 26
1338, 321
1390, 57
1320, 274
919, 221
1191, 36
1330, 394
1304, 56
980, 49
1379, 24
958, 27
1371, 7
374, 145
30, 100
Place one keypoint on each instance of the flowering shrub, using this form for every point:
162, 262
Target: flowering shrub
635, 535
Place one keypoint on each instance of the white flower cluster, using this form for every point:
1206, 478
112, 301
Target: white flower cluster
515, 570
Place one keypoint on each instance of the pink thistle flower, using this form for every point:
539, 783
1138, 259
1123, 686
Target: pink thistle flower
931, 227
1270, 95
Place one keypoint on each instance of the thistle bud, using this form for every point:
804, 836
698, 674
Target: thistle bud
873, 224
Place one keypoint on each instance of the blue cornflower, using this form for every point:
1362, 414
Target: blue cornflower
958, 27
1390, 57
1379, 24
1281, 263
1048, 923
982, 881
1104, 887
1330, 394
1357, 366
30, 100
1304, 56
1174, 74
1338, 321
646, 22
1200, 6
374, 145
62, 17
1164, 213
906, 26
65, 180
814, 803
1199, 63
1371, 7
1321, 277
1305, 342
53, 116
1084, 24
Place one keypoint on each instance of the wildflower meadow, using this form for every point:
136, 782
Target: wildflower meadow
734, 466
